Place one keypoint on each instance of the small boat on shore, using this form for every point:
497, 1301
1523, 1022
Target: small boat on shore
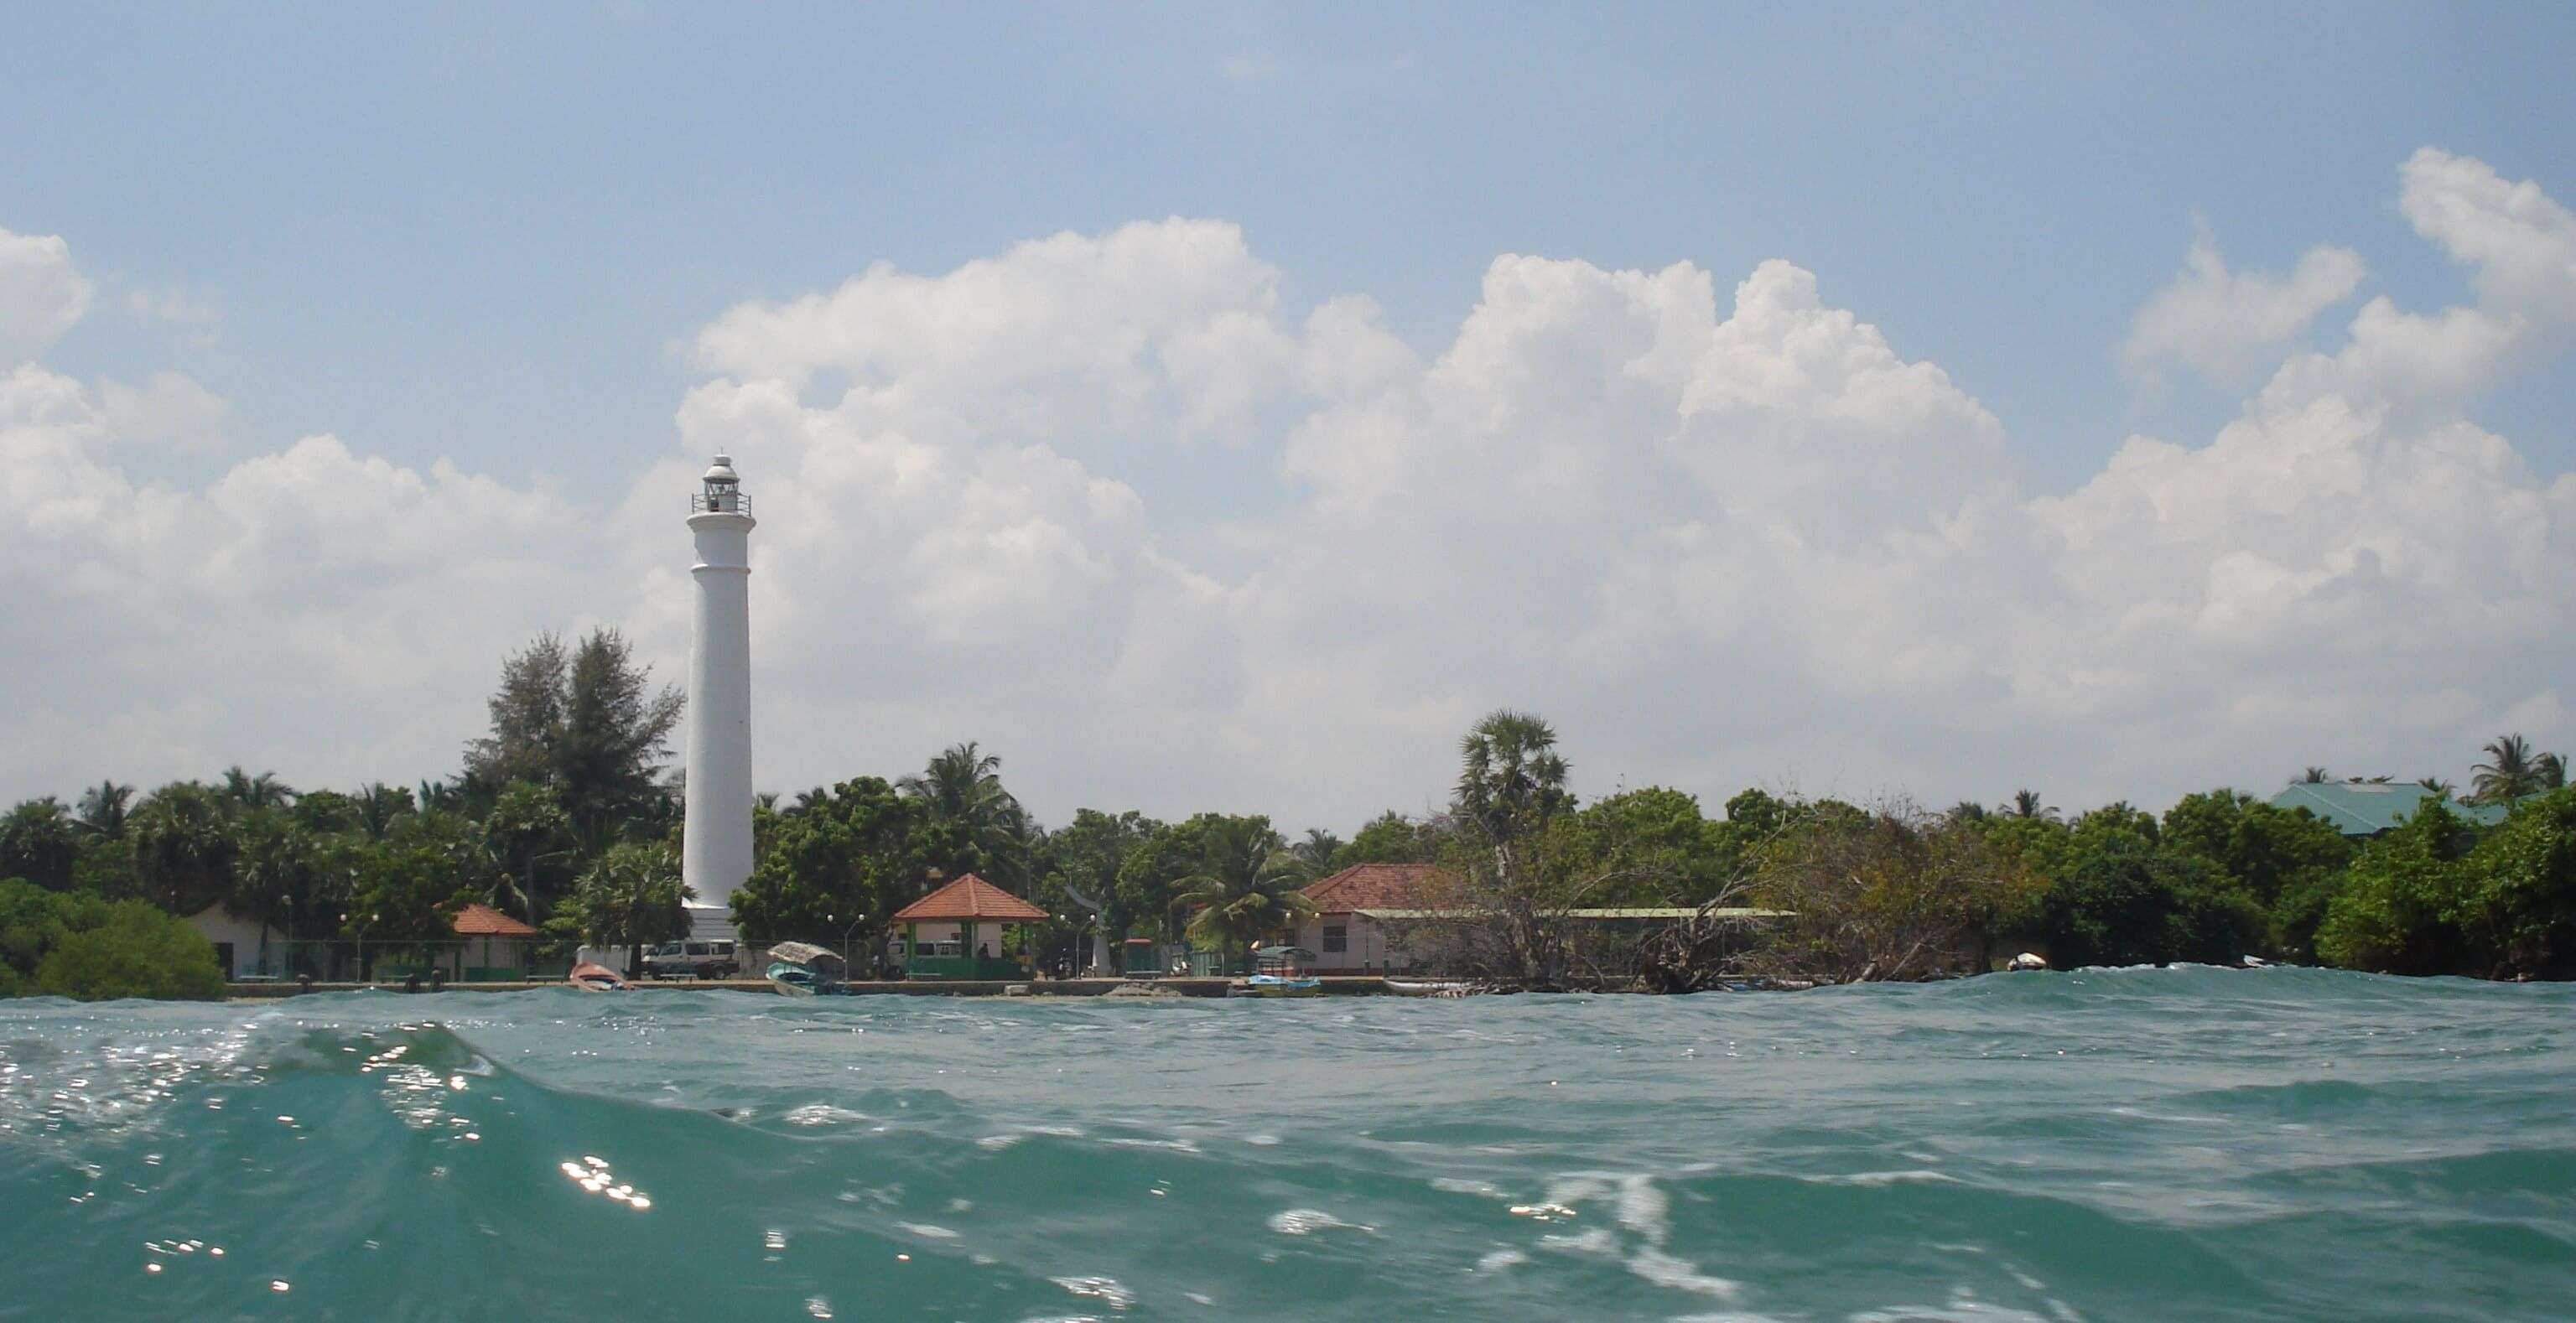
597, 978
1280, 971
802, 969
1434, 988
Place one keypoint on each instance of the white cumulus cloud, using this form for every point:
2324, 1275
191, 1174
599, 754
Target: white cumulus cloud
41, 294
2223, 323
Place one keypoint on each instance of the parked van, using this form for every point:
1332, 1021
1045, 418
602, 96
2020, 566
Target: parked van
713, 959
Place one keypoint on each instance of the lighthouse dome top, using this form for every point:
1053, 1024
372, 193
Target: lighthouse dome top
722, 470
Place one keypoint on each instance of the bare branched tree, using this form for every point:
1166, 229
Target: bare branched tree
1897, 895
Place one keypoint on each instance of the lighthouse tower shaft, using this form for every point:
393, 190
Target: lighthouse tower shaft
717, 842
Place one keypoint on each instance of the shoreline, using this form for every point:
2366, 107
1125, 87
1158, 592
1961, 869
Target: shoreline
1334, 986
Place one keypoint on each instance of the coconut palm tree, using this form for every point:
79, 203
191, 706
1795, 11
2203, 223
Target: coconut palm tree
244, 792
2508, 774
2552, 770
2314, 776
103, 809
963, 785
1315, 853
2441, 789
378, 805
1964, 812
2029, 804
1245, 885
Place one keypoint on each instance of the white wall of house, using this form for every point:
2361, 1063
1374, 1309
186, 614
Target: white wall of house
220, 926
1363, 944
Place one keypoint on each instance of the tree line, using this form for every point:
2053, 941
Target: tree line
565, 813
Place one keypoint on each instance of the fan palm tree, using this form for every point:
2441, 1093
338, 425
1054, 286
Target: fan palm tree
184, 846
1245, 885
1510, 778
103, 809
2508, 774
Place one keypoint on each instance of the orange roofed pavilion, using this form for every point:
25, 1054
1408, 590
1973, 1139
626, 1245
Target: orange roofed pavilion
960, 931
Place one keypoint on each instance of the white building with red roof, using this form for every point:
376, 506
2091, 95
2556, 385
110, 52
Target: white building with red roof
1343, 935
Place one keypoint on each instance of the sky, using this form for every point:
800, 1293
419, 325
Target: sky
1222, 406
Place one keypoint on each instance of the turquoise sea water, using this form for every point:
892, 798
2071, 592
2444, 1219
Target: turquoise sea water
2130, 1144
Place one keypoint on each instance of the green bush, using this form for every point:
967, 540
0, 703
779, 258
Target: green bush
94, 950
138, 952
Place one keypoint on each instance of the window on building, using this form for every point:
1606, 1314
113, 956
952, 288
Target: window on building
1337, 938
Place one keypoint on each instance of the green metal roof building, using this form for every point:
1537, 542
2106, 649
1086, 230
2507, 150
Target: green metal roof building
2367, 808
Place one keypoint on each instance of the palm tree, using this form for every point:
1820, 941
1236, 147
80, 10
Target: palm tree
2508, 774
102, 809
2441, 789
963, 785
2029, 804
1510, 778
1245, 886
2314, 776
1315, 853
1964, 812
184, 846
378, 805
245, 793
2552, 771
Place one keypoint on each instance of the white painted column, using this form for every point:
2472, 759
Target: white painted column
716, 853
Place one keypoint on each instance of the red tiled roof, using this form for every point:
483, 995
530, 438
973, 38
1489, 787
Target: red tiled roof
479, 920
1374, 887
970, 897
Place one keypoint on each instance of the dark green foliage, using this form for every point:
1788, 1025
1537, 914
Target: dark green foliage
631, 896
138, 952
185, 849
2121, 901
1389, 838
40, 841
862, 848
73, 945
2520, 903
2398, 911
962, 787
1092, 855
1242, 887
584, 722
1659, 848
406, 887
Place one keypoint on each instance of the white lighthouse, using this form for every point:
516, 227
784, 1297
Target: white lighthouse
718, 838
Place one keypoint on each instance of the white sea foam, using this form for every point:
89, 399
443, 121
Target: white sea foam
1308, 1221
1106, 1290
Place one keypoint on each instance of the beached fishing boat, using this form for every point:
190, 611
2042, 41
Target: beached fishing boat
802, 969
597, 978
1280, 971
1419, 988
